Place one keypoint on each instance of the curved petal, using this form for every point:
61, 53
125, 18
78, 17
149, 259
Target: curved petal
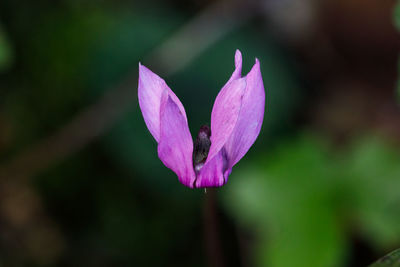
150, 90
250, 118
226, 105
175, 147
237, 73
225, 114
214, 173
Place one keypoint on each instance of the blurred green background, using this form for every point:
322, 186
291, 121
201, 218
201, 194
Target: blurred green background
80, 180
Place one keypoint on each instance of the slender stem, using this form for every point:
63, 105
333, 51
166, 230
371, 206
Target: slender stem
212, 240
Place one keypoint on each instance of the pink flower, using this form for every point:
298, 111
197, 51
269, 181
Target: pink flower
236, 121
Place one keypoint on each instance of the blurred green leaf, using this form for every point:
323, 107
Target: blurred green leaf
396, 15
390, 260
291, 203
6, 52
373, 175
302, 198
52, 86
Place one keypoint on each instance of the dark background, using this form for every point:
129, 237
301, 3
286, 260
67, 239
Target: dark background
80, 180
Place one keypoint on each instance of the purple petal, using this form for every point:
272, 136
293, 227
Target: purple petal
150, 90
214, 172
225, 114
250, 119
226, 108
237, 74
175, 147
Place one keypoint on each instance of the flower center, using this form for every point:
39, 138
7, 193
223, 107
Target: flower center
201, 147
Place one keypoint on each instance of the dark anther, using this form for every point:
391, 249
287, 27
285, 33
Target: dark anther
201, 147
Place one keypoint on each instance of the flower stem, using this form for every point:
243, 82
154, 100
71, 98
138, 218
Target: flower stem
211, 234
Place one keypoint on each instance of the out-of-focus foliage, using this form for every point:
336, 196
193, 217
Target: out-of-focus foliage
303, 198
390, 260
6, 52
396, 15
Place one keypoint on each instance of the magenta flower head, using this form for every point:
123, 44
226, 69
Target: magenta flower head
236, 120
